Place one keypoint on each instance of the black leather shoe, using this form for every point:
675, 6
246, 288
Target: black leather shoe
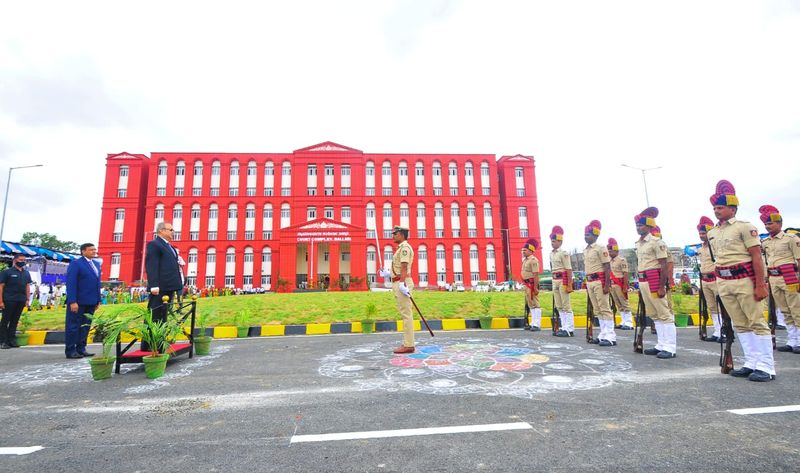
86, 354
742, 372
607, 343
722, 340
780, 327
74, 356
761, 376
664, 354
562, 333
796, 350
652, 351
535, 329
594, 341
625, 327
712, 338
785, 348
13, 344
4, 346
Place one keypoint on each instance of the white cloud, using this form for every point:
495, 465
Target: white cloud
704, 89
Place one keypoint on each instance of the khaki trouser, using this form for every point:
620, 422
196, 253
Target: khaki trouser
787, 299
746, 313
657, 307
602, 309
561, 296
619, 299
404, 307
531, 298
710, 292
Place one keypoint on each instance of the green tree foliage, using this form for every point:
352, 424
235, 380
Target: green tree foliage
47, 240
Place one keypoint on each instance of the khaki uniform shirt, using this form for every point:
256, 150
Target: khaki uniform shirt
730, 241
530, 267
404, 254
619, 266
706, 263
559, 260
649, 251
781, 249
594, 256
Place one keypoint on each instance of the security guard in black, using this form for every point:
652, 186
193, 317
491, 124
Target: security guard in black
14, 291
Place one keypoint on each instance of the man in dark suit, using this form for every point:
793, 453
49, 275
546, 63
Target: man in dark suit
161, 263
83, 297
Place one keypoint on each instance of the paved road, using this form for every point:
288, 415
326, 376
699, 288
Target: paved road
546, 405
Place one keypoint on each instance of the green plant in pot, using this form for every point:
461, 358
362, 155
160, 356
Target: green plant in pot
158, 336
242, 322
23, 325
368, 322
108, 325
202, 342
486, 319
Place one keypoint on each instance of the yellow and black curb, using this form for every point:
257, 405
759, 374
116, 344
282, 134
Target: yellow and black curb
41, 337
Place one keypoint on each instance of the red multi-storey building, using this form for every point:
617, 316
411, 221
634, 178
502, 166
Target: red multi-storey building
321, 214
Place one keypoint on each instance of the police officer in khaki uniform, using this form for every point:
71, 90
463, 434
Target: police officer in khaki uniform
598, 283
652, 255
402, 260
656, 232
736, 250
619, 285
709, 279
561, 267
782, 252
530, 278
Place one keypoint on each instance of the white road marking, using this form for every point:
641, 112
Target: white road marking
19, 450
765, 410
374, 434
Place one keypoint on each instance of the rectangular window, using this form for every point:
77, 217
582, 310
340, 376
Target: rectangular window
119, 214
230, 257
286, 171
485, 171
123, 171
454, 191
233, 191
285, 213
387, 212
423, 277
523, 212
439, 233
403, 171
197, 191
267, 212
212, 213
249, 235
329, 170
266, 235
437, 191
117, 237
485, 190
215, 170
312, 191
233, 212
404, 191
286, 191
329, 212
247, 280
403, 212
229, 281
473, 233
459, 277
160, 214
520, 192
311, 213
370, 191
250, 212
180, 171
214, 192
386, 171
177, 213
370, 171
345, 191
211, 258
122, 193
523, 232
195, 213
212, 235
421, 233
387, 234
437, 171
441, 277
209, 281
420, 191
266, 279
491, 276
454, 212
329, 191
251, 170
440, 254
421, 212
386, 191
198, 170
116, 258
473, 254
269, 170
251, 191
248, 257
234, 170
419, 171
312, 170
194, 236
345, 170
371, 234
268, 192
456, 233
266, 257
178, 191
489, 233
345, 256
176, 235
231, 234
161, 191
438, 212
162, 170
518, 172
470, 191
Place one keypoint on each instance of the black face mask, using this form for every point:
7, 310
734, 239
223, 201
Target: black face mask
20, 264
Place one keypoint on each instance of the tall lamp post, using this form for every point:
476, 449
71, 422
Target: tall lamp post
644, 179
8, 186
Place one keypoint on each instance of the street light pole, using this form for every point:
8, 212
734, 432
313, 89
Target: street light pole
644, 179
8, 186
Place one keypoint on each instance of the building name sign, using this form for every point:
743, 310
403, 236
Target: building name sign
323, 236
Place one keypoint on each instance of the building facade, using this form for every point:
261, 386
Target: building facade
319, 216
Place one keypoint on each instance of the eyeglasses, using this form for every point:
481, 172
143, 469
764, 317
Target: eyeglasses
170, 229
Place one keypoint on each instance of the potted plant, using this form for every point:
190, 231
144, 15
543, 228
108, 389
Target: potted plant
242, 322
202, 342
23, 325
485, 318
158, 335
368, 322
108, 326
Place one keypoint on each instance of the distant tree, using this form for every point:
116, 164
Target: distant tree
47, 240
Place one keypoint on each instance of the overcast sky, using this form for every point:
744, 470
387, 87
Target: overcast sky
706, 89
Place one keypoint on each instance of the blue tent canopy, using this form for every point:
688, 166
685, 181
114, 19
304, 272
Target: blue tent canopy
12, 248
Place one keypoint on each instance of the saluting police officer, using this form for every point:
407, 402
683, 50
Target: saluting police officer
709, 279
619, 285
530, 277
598, 283
736, 249
782, 252
652, 255
561, 267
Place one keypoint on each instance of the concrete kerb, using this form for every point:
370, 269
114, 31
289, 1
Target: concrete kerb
41, 337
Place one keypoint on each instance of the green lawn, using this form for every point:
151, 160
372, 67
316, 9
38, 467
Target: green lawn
326, 307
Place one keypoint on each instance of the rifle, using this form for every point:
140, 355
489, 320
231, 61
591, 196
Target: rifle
613, 307
589, 317
525, 311
554, 319
772, 317
703, 310
725, 355
641, 321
